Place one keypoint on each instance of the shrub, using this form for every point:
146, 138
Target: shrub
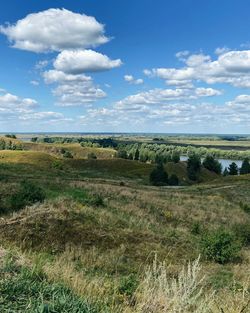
27, 194
128, 285
57, 164
245, 207
68, 154
196, 228
242, 232
220, 246
95, 200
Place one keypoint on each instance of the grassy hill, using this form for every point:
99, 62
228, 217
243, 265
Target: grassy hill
104, 240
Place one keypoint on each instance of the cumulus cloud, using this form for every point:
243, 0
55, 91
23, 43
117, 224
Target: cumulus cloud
73, 90
160, 96
130, 79
14, 109
231, 67
55, 30
80, 61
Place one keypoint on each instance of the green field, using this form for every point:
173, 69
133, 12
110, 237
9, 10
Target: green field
103, 239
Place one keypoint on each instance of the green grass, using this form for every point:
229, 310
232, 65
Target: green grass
24, 290
96, 236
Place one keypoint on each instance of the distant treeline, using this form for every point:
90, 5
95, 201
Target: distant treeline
85, 142
149, 151
166, 153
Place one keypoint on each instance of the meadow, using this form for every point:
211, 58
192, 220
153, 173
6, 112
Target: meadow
92, 234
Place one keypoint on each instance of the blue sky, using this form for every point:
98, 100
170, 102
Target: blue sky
125, 66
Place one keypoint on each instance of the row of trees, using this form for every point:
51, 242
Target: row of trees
159, 176
165, 153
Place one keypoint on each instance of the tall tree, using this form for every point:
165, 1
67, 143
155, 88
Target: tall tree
245, 167
193, 166
233, 169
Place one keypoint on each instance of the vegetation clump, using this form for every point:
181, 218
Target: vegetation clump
27, 194
212, 165
220, 246
193, 167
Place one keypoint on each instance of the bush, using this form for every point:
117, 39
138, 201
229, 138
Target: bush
128, 285
220, 246
242, 232
68, 154
27, 194
57, 164
95, 200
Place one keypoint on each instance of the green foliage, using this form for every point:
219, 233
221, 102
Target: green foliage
212, 165
220, 246
196, 228
95, 200
10, 136
245, 207
122, 154
221, 279
22, 290
128, 285
173, 180
225, 172
245, 168
233, 169
67, 154
57, 164
193, 167
158, 177
27, 194
242, 232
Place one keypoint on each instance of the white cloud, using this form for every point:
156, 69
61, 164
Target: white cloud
41, 64
161, 96
34, 82
73, 90
55, 30
14, 109
232, 67
130, 79
80, 61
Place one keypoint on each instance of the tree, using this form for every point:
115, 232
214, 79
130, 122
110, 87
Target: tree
137, 154
212, 165
193, 166
225, 172
173, 180
233, 169
175, 157
245, 167
158, 177
122, 154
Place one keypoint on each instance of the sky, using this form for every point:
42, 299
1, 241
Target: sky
155, 66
